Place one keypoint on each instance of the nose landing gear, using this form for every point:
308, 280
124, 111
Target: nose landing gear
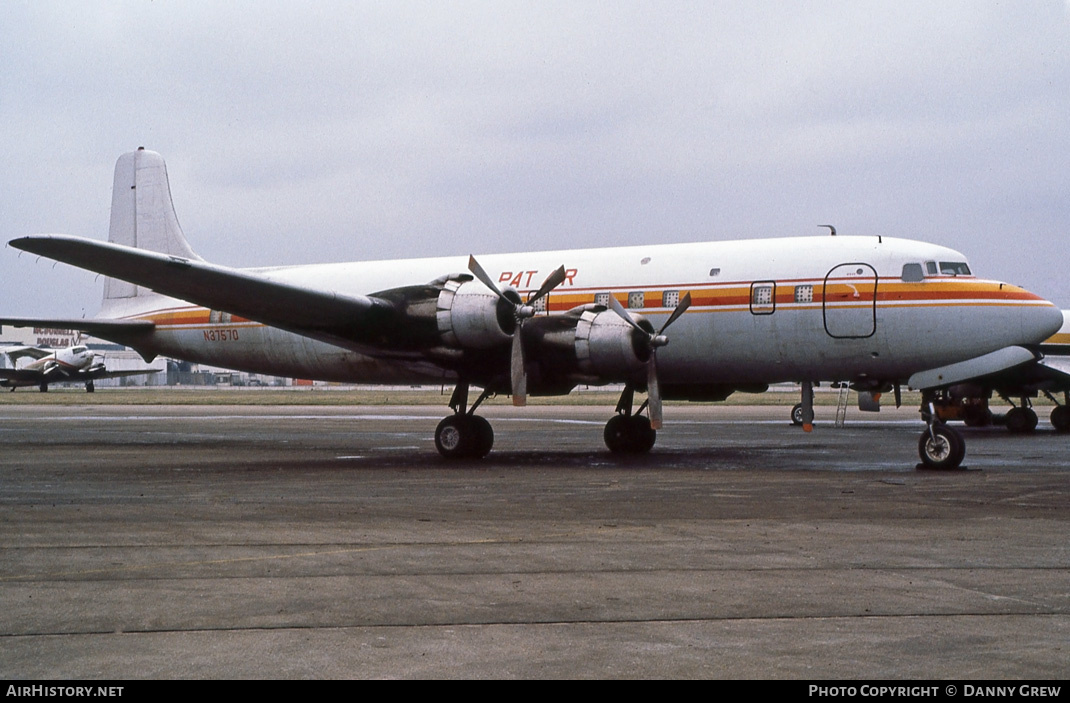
940, 447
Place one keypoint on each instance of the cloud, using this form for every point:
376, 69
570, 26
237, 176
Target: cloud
298, 132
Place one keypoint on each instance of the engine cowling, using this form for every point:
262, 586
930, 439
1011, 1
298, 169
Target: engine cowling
468, 316
589, 344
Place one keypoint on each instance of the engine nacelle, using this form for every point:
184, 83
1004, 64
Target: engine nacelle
469, 316
608, 346
589, 344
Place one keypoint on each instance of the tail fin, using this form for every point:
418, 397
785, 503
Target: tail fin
142, 215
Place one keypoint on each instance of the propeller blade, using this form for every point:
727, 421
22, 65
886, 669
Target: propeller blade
556, 278
681, 307
517, 371
653, 392
616, 307
482, 275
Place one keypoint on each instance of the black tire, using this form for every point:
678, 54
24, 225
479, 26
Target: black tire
616, 434
1021, 420
464, 437
629, 434
797, 414
482, 436
942, 449
1060, 418
453, 437
643, 435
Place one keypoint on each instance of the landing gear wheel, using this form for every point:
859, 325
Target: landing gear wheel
1021, 420
452, 437
464, 437
89, 387
629, 434
482, 436
1060, 418
941, 448
797, 414
43, 388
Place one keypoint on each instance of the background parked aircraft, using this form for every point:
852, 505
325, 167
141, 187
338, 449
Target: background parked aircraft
75, 364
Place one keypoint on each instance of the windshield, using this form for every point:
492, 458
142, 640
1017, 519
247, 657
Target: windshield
954, 268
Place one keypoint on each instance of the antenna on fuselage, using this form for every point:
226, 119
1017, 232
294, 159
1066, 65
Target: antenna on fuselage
832, 230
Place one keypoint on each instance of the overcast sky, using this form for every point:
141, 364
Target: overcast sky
297, 132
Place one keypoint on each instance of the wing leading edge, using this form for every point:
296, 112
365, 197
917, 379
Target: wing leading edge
321, 314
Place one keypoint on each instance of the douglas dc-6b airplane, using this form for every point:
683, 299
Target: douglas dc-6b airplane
74, 364
685, 321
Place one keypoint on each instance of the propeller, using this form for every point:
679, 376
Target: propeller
653, 341
522, 310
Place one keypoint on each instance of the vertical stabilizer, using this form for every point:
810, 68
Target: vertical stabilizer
142, 214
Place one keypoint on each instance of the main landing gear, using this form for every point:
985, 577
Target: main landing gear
627, 432
1060, 416
464, 435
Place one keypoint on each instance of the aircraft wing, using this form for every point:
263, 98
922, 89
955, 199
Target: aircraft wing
105, 329
1012, 369
25, 375
321, 314
998, 362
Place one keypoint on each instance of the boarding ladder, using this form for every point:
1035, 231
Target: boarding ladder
841, 404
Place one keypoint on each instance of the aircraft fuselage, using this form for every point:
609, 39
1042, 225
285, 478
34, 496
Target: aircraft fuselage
763, 311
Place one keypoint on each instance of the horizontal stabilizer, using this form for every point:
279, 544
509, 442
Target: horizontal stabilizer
971, 369
97, 375
316, 313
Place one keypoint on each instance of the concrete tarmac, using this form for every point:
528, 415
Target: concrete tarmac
333, 542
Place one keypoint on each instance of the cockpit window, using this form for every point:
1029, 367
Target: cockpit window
954, 268
78, 350
912, 273
930, 268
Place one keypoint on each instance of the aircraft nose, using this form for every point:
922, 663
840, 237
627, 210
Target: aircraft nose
1040, 323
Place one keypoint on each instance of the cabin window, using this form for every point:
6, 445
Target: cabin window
912, 273
540, 304
804, 293
636, 299
715, 272
670, 299
217, 316
954, 268
762, 300
601, 299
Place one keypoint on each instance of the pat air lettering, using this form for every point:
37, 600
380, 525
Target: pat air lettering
523, 279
